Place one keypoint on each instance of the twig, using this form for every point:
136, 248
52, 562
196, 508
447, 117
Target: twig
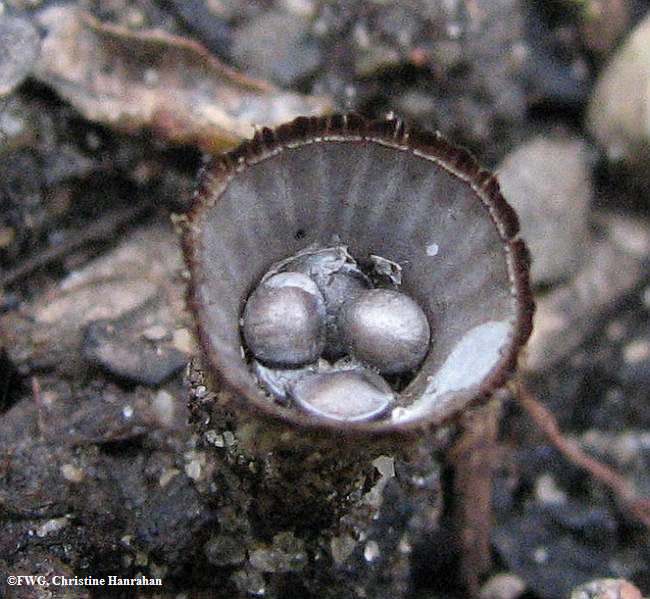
102, 229
38, 400
638, 507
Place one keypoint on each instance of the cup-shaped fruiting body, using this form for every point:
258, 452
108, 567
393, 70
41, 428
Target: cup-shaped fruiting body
378, 189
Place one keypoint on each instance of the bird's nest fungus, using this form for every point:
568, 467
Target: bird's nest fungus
333, 257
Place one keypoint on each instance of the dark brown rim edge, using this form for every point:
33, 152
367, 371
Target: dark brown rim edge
267, 142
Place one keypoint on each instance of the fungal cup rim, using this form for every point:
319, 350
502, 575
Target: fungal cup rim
458, 162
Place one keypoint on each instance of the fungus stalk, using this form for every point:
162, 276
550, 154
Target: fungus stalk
332, 334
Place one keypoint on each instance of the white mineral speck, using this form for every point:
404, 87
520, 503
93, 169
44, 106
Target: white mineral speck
164, 407
156, 332
399, 413
432, 249
193, 470
540, 555
167, 476
212, 437
503, 586
71, 473
636, 351
404, 546
371, 551
51, 526
215, 438
195, 461
547, 491
127, 412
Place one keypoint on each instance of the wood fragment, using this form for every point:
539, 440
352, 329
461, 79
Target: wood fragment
152, 80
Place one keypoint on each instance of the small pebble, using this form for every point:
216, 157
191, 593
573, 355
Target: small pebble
52, 526
118, 347
72, 474
155, 333
167, 476
385, 329
164, 407
342, 547
193, 470
637, 351
371, 551
287, 554
432, 249
349, 395
548, 181
617, 115
503, 586
19, 48
607, 588
183, 341
7, 236
224, 550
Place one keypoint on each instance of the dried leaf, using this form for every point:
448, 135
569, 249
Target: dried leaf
134, 80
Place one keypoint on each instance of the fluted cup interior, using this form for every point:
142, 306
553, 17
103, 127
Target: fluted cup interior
376, 198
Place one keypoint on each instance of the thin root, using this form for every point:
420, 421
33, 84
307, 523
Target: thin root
638, 507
